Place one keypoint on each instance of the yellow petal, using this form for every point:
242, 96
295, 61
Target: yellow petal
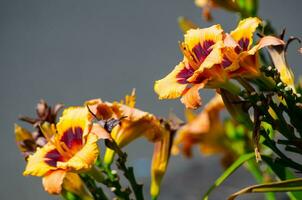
37, 164
215, 57
53, 181
74, 118
245, 30
191, 97
84, 158
169, 87
195, 36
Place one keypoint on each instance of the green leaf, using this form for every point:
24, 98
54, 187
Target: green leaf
281, 186
283, 173
242, 159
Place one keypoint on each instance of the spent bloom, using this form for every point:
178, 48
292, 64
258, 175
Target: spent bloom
28, 141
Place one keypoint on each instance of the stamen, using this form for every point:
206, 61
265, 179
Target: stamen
193, 61
65, 149
60, 150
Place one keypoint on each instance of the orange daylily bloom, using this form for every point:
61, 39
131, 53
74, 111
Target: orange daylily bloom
239, 57
135, 122
72, 148
200, 67
205, 129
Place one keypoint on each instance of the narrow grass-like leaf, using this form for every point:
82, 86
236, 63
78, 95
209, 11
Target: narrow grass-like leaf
281, 186
242, 159
283, 173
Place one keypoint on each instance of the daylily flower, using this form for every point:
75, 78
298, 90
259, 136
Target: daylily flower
200, 67
240, 58
72, 147
135, 122
206, 130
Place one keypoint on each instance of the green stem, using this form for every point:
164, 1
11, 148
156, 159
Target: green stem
96, 191
113, 183
96, 174
129, 174
127, 171
231, 87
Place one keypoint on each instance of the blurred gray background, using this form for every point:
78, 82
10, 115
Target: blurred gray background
71, 50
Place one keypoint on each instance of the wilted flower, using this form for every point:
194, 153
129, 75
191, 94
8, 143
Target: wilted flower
45, 113
277, 54
72, 147
28, 141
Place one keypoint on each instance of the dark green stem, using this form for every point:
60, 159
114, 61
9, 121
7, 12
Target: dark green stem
127, 171
96, 191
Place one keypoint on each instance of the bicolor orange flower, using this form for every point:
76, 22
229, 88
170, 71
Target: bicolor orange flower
200, 67
240, 58
72, 147
135, 122
205, 129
